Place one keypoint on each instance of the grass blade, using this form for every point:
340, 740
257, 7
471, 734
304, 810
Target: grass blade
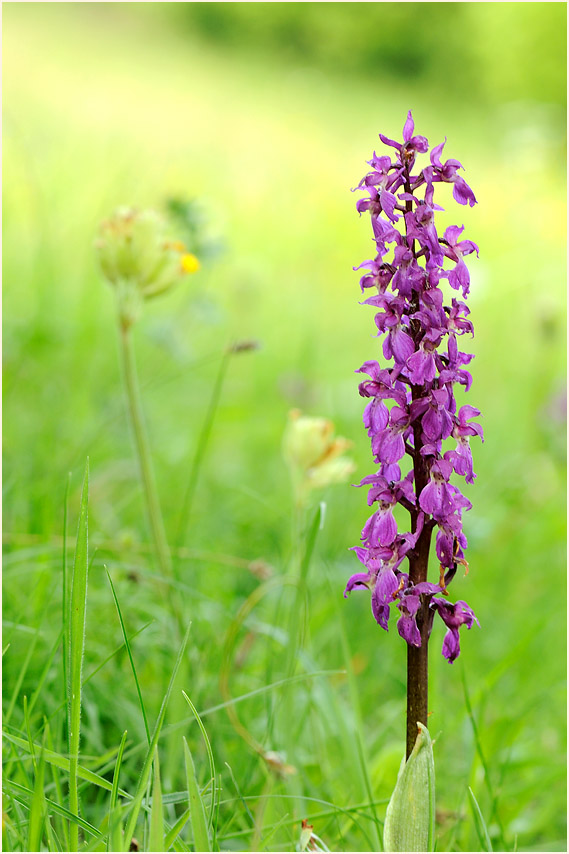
127, 645
197, 811
240, 796
37, 807
64, 590
22, 674
316, 526
335, 811
264, 689
201, 446
156, 840
62, 825
44, 672
146, 768
296, 630
77, 616
114, 840
100, 666
62, 762
212, 773
478, 743
29, 732
479, 823
17, 787
176, 829
362, 765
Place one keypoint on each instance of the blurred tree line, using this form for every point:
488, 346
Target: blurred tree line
491, 52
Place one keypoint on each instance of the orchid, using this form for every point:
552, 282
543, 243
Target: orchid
412, 408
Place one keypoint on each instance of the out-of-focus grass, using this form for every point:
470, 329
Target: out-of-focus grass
104, 107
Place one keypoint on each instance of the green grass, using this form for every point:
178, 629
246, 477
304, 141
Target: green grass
99, 115
197, 813
75, 629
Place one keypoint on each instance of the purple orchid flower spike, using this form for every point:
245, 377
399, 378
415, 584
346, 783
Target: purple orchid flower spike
411, 411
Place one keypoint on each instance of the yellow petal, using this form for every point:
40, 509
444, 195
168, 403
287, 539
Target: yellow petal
189, 263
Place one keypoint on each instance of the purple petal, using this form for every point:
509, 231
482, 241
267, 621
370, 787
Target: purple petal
436, 499
402, 345
387, 141
382, 596
389, 446
459, 277
411, 603
388, 202
421, 367
360, 579
376, 416
443, 467
386, 528
427, 588
418, 407
408, 127
432, 424
466, 412
383, 231
445, 548
386, 584
419, 144
407, 628
462, 193
406, 489
451, 645
452, 234
391, 472
436, 154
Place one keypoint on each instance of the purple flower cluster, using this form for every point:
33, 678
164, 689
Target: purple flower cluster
420, 329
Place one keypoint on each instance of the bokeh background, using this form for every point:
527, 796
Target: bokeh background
265, 114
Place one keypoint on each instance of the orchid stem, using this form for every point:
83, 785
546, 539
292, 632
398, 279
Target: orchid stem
418, 657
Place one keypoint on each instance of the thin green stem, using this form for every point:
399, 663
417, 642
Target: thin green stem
65, 590
201, 446
143, 450
77, 620
127, 645
136, 417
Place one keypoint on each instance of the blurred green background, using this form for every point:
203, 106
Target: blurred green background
266, 114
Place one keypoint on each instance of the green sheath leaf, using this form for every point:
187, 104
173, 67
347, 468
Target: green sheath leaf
410, 817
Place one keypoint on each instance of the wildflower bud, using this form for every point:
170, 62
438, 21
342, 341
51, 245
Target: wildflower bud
305, 835
313, 455
140, 259
308, 839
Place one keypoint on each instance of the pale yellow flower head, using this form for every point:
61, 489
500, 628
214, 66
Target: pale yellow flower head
139, 257
313, 455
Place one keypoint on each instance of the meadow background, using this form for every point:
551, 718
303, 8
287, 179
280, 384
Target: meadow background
265, 113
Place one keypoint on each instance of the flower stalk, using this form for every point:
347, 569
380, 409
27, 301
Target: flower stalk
420, 324
136, 418
141, 261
